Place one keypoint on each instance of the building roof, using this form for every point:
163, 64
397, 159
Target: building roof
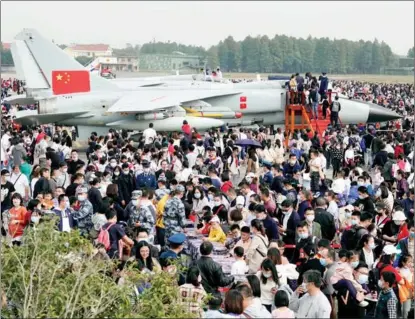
90, 47
6, 46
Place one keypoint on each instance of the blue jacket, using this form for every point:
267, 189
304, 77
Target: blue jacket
288, 170
59, 214
324, 84
146, 181
407, 205
353, 194
267, 179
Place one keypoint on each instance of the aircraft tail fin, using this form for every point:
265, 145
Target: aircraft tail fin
26, 67
48, 57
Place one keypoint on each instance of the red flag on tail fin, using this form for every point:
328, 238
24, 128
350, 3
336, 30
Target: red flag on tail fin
65, 82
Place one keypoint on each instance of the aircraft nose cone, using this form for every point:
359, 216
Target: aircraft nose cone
378, 113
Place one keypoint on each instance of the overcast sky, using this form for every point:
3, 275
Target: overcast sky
206, 23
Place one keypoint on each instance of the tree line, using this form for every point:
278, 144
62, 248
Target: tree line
281, 54
285, 54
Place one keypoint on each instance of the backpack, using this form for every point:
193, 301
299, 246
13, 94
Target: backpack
104, 237
353, 238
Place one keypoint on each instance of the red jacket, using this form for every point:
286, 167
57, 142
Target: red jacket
398, 150
20, 215
403, 232
186, 129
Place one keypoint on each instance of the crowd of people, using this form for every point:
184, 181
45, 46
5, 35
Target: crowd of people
314, 226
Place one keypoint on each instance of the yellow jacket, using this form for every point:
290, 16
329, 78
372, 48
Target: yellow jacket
217, 235
160, 210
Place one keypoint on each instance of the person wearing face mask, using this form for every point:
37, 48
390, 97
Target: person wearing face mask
351, 237
344, 278
199, 201
63, 211
291, 166
386, 307
83, 213
219, 208
381, 216
305, 307
303, 238
144, 214
399, 219
288, 225
314, 228
269, 283
366, 247
364, 203
16, 219
111, 165
271, 226
146, 179
63, 179
126, 185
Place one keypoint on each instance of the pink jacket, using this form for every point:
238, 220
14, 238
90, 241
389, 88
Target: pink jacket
344, 271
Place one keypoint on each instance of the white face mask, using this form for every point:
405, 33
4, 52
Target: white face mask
210, 196
249, 179
35, 219
267, 275
217, 203
116, 173
113, 165
398, 222
363, 279
146, 170
361, 197
134, 202
126, 172
239, 206
81, 198
380, 284
310, 218
197, 195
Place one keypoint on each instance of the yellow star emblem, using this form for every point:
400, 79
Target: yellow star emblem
59, 77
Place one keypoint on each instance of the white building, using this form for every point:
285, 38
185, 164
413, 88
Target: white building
89, 50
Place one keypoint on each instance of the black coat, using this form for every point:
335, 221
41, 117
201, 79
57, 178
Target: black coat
212, 275
95, 197
126, 186
326, 221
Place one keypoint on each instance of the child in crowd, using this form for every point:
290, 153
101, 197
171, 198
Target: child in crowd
343, 276
47, 201
239, 267
204, 226
282, 301
216, 233
214, 308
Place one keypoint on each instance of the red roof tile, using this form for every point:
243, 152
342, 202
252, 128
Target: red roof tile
90, 47
6, 46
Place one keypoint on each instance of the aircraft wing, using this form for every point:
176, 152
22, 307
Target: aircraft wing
147, 101
32, 118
